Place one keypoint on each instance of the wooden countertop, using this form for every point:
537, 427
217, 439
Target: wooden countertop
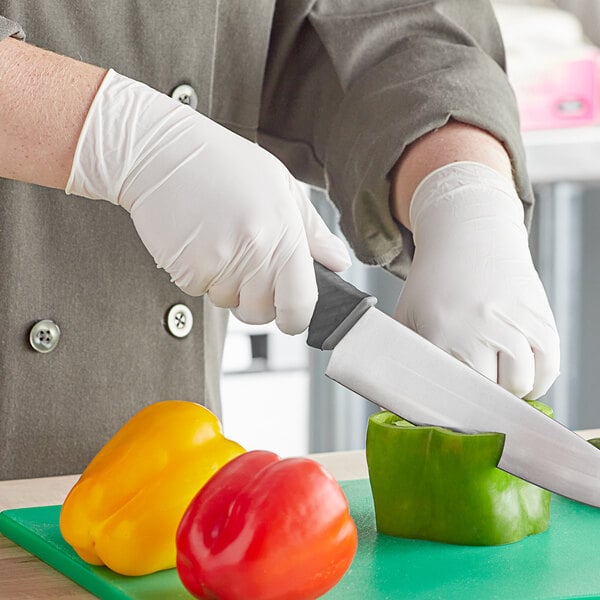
24, 577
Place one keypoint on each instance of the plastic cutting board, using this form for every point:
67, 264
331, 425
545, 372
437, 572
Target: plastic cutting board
562, 562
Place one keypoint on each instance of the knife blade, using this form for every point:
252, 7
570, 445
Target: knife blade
386, 362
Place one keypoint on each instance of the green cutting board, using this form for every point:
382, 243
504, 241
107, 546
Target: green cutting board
562, 562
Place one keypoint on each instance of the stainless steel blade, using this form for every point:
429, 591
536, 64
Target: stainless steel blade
399, 370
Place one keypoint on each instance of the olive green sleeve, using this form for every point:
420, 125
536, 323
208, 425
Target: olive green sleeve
10, 29
349, 84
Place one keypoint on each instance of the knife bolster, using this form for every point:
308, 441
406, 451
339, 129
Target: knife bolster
344, 327
339, 306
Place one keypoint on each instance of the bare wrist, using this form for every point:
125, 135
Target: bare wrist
44, 98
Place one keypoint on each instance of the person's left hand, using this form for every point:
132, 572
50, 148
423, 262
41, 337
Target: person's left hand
473, 289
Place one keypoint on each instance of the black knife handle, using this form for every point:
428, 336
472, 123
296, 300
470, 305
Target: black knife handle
338, 308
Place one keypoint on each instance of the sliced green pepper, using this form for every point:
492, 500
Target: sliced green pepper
436, 484
595, 442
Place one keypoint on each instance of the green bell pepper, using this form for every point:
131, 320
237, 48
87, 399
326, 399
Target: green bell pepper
595, 442
436, 484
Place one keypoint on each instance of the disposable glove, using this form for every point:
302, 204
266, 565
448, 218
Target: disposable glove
472, 288
221, 215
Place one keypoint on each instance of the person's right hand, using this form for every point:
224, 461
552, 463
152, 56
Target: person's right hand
221, 215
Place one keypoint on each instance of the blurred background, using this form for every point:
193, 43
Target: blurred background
275, 394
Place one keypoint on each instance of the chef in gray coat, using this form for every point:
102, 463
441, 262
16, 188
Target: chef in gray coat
137, 135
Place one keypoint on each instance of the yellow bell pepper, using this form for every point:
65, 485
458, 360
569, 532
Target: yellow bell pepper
124, 510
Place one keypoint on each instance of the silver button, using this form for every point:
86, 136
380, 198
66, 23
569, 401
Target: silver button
179, 320
186, 94
44, 336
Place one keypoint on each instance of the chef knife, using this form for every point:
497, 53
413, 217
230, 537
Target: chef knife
397, 369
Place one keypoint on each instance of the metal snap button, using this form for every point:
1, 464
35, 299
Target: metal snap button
179, 320
185, 94
44, 336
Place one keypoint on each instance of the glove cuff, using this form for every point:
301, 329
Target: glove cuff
80, 181
464, 190
125, 120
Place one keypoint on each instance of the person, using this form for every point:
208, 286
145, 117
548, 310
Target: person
184, 116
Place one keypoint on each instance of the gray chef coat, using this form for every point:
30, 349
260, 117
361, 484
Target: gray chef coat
336, 88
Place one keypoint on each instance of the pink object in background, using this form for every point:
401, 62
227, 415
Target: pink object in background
564, 95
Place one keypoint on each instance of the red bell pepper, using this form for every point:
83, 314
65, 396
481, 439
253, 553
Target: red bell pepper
266, 528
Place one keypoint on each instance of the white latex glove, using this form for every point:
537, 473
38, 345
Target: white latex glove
221, 215
472, 288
